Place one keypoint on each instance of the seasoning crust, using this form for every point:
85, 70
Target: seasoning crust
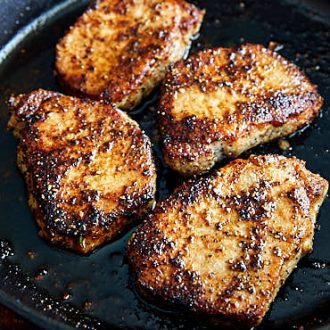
89, 168
223, 245
221, 102
120, 50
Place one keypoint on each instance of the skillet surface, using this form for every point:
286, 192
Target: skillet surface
57, 289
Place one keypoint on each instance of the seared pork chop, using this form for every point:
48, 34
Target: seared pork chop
89, 168
224, 244
121, 49
220, 102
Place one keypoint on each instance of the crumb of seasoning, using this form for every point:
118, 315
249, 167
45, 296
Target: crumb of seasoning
88, 305
81, 241
275, 46
40, 274
284, 144
66, 296
31, 254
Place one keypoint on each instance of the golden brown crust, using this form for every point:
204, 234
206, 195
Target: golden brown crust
220, 102
89, 168
224, 244
120, 50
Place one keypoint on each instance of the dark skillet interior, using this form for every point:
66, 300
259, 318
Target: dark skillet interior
58, 289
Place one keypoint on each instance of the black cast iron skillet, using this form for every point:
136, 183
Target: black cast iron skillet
57, 289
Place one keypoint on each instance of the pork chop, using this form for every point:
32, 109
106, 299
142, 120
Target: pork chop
89, 168
121, 49
220, 102
223, 245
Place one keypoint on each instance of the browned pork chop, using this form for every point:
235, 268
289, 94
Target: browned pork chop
224, 244
88, 167
220, 102
121, 49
